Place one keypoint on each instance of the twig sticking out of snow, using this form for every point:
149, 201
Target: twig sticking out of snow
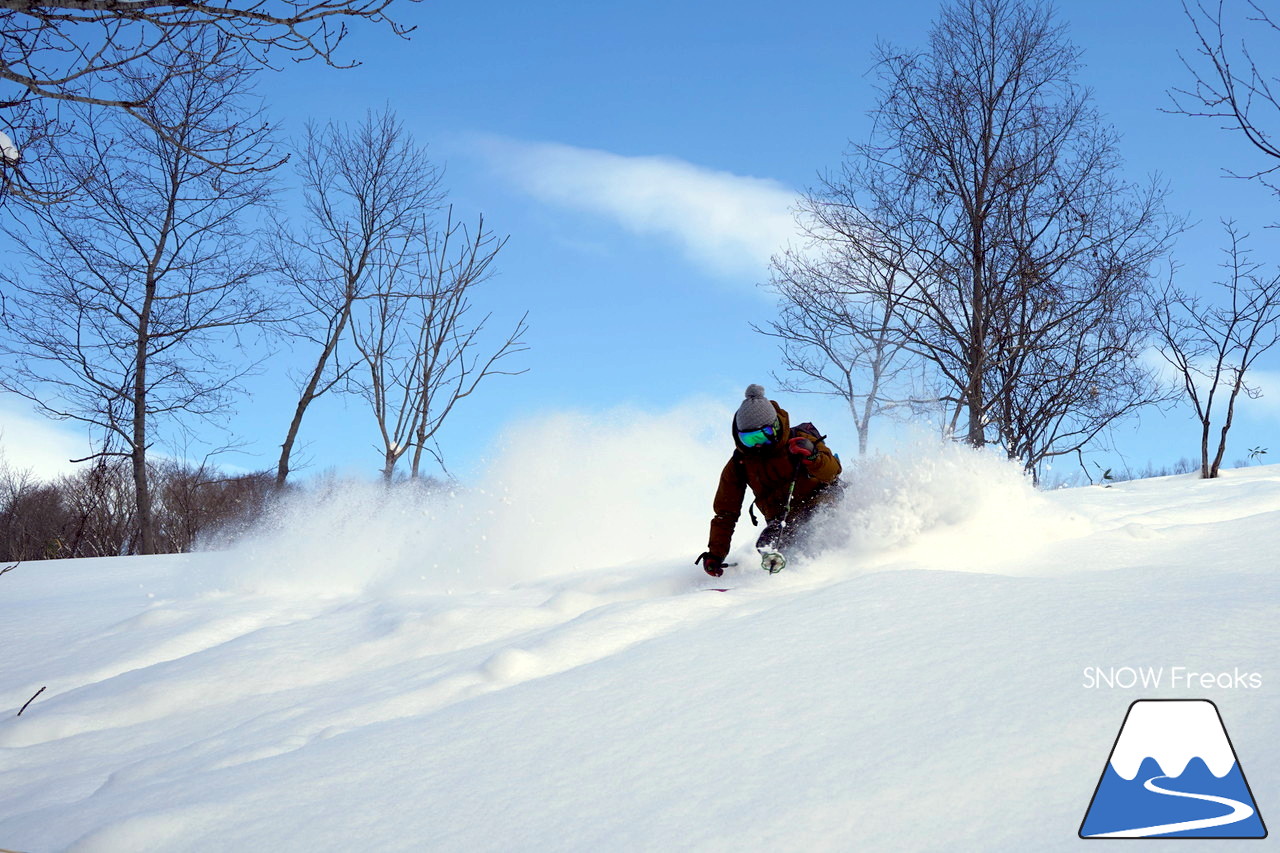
4, 571
32, 699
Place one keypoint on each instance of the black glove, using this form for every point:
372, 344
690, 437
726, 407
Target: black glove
711, 564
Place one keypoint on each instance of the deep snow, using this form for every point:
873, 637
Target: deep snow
536, 665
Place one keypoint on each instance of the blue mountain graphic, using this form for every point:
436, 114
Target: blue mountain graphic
1121, 804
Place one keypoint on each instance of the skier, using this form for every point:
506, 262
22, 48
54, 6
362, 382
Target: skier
791, 474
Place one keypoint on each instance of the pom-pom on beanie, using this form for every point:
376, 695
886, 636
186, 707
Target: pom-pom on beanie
755, 412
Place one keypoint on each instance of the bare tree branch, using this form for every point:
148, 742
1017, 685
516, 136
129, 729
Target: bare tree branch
838, 328
366, 190
29, 701
990, 189
422, 354
1228, 83
76, 51
131, 284
1212, 344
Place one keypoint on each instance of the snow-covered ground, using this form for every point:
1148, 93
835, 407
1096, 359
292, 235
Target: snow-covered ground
540, 667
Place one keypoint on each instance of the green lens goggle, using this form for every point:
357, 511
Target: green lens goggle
758, 437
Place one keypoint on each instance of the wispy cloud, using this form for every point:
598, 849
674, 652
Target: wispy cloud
29, 442
1268, 382
728, 224
1164, 371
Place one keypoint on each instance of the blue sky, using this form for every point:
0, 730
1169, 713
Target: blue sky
643, 157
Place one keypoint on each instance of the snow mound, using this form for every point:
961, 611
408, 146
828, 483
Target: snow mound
628, 707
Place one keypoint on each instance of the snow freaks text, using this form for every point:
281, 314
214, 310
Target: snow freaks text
1175, 677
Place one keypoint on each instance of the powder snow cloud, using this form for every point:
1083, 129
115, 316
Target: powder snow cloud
725, 223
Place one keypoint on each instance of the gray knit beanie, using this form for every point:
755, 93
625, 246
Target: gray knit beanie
756, 412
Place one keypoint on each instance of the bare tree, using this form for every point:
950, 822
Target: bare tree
1229, 84
991, 185
91, 512
450, 363
197, 500
365, 190
32, 516
1212, 344
382, 334
422, 353
132, 285
102, 511
1068, 330
77, 51
838, 331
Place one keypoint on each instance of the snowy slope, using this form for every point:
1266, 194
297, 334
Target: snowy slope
538, 667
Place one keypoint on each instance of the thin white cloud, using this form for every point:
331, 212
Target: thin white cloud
728, 224
1268, 382
29, 442
1164, 371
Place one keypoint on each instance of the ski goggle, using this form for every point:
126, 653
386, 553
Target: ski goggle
758, 437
